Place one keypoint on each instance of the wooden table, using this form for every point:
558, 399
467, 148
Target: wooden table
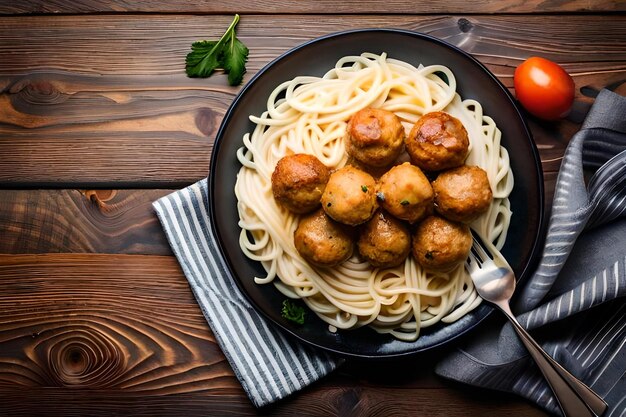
98, 119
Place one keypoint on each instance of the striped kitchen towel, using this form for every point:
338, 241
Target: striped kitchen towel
268, 364
583, 265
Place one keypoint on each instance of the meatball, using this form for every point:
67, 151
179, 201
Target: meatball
437, 141
405, 192
384, 241
440, 244
322, 241
462, 194
298, 182
375, 137
350, 196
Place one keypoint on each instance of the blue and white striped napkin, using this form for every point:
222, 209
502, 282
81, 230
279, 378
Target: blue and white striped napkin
583, 266
269, 364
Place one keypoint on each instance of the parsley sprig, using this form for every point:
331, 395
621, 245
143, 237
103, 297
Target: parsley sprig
228, 53
292, 312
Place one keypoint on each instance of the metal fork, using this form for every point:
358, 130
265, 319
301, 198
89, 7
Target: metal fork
495, 282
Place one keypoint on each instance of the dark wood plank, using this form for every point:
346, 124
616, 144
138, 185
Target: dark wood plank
103, 100
108, 321
122, 334
320, 400
304, 6
79, 221
103, 45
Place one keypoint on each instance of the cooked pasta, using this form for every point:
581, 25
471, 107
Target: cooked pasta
310, 115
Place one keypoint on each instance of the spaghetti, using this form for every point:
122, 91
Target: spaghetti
310, 115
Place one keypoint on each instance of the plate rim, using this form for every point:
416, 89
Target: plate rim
535, 251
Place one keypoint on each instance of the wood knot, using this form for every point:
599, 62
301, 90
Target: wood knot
348, 402
41, 92
464, 25
100, 197
85, 358
206, 121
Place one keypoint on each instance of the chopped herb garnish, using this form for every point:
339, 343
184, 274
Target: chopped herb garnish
292, 312
429, 255
364, 188
227, 53
329, 204
380, 196
404, 202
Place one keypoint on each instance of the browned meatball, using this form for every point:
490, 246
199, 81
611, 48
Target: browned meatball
440, 244
462, 194
298, 182
405, 192
384, 241
375, 137
437, 141
322, 241
350, 196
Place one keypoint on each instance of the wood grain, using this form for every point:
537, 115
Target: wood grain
104, 322
122, 334
77, 221
304, 6
323, 399
103, 101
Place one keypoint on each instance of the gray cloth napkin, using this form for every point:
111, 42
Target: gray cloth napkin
582, 266
268, 364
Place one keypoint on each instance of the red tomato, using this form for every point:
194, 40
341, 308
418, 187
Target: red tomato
544, 88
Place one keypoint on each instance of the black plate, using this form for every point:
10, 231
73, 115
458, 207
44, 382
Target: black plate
316, 58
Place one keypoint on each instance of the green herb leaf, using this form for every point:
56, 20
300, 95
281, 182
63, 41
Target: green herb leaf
364, 188
203, 58
404, 202
235, 61
228, 53
292, 312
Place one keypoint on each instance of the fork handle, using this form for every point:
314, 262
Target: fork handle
574, 397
